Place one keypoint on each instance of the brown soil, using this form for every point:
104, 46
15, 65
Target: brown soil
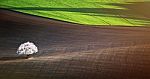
71, 51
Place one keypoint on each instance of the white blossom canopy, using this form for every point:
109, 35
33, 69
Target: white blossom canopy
27, 48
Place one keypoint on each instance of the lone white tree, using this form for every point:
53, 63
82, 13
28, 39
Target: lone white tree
27, 48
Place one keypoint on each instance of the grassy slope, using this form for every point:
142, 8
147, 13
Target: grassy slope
91, 12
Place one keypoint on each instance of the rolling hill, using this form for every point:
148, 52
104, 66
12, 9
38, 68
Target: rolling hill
87, 12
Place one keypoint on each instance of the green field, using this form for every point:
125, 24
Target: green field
88, 12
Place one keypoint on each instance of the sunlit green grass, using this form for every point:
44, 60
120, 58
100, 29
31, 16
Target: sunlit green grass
90, 12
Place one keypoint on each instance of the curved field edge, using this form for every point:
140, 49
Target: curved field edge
88, 12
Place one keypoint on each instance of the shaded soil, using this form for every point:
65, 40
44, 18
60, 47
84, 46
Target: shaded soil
71, 51
12, 58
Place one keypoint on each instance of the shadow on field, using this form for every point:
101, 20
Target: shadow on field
134, 10
12, 58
